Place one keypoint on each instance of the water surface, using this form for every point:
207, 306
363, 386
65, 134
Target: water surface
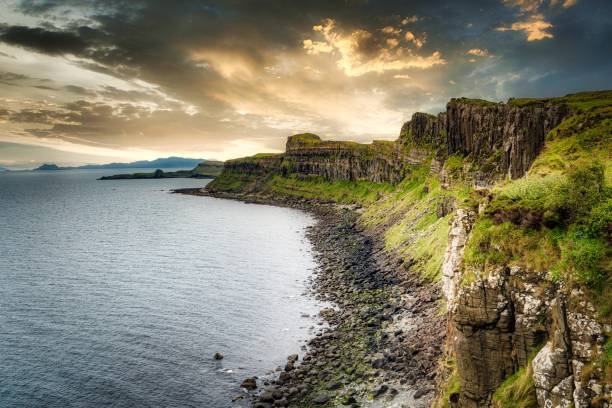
117, 293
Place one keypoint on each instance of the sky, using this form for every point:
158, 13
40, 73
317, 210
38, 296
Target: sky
93, 81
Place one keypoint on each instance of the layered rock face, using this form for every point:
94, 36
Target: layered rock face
307, 155
256, 165
500, 322
511, 136
501, 139
379, 162
425, 130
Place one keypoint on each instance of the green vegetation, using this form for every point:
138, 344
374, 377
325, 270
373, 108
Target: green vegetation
582, 101
557, 223
517, 391
451, 387
472, 101
232, 181
305, 139
317, 188
413, 220
454, 166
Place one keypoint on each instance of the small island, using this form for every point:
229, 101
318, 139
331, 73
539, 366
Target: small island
204, 170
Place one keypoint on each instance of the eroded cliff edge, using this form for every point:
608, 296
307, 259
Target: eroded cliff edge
507, 208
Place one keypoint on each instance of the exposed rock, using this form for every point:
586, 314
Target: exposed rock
451, 266
218, 356
425, 130
504, 138
249, 383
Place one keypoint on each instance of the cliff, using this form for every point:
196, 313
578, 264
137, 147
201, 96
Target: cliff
507, 208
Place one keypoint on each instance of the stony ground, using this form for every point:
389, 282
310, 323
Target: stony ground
385, 331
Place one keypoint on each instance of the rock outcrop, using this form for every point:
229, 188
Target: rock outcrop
501, 137
501, 321
307, 155
425, 130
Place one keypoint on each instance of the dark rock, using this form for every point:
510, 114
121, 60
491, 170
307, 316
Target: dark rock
420, 392
321, 398
218, 356
266, 396
380, 390
281, 403
249, 383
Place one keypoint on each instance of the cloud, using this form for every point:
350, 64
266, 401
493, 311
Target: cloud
49, 42
361, 51
527, 6
535, 28
317, 47
479, 52
418, 42
410, 20
532, 6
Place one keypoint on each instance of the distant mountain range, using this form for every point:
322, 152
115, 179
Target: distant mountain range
3, 169
167, 162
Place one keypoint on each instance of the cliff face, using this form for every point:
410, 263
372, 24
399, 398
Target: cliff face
307, 155
425, 130
501, 139
501, 322
379, 162
512, 136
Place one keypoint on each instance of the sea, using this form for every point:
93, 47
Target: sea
118, 293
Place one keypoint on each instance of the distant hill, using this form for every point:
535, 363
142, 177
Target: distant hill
50, 166
167, 162
2, 169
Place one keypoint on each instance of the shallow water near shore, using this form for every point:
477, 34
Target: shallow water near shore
118, 293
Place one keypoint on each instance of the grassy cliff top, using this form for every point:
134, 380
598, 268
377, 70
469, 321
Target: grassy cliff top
473, 101
303, 140
582, 101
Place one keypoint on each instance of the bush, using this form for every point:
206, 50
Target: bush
581, 258
554, 200
585, 188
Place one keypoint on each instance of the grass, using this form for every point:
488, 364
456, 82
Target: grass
473, 101
582, 101
317, 188
451, 386
517, 391
304, 140
560, 223
232, 181
585, 136
409, 221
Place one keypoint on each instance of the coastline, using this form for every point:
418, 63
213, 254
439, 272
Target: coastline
385, 330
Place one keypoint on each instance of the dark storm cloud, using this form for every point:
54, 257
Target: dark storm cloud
40, 39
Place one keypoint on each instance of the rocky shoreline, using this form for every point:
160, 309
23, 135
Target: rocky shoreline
385, 331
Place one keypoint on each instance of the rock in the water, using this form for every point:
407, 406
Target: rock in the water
218, 356
249, 383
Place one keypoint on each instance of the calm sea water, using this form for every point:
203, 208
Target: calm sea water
117, 293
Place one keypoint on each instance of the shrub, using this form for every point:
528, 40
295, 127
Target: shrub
581, 258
